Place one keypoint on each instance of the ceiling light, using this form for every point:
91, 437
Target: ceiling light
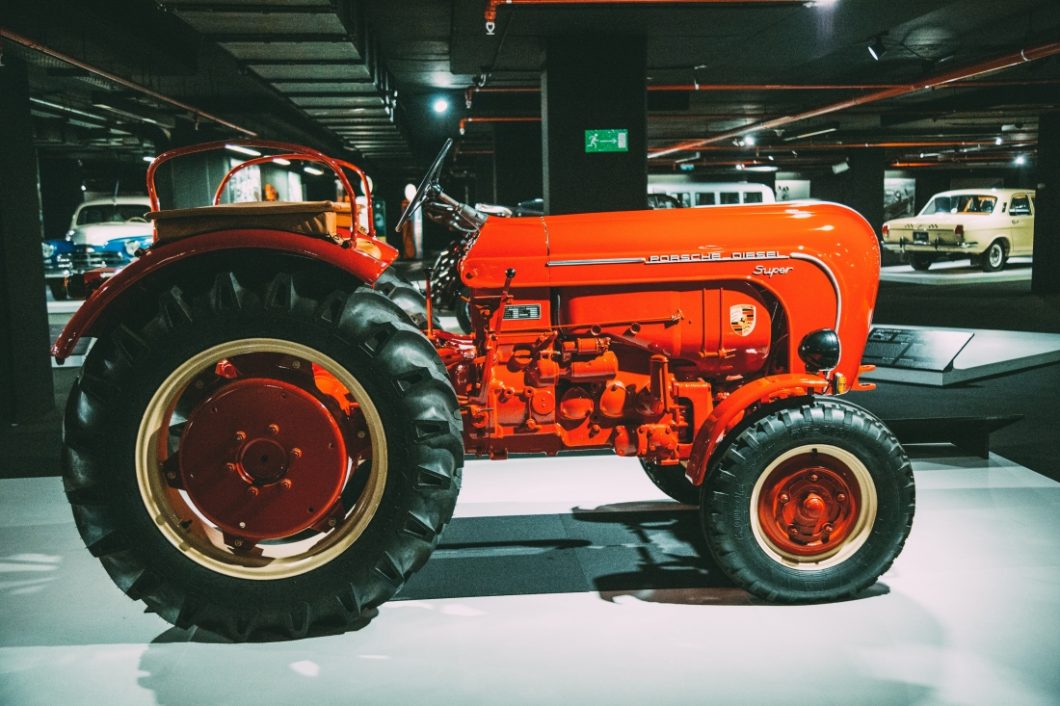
841, 167
1020, 160
739, 167
243, 150
148, 158
998, 140
763, 168
749, 141
312, 170
440, 105
690, 158
282, 162
876, 48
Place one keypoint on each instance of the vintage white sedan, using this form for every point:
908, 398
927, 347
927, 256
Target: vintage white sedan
987, 225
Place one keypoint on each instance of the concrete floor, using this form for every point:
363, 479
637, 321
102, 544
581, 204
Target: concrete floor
573, 580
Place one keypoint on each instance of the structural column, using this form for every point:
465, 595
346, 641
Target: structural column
594, 120
1044, 277
516, 162
25, 369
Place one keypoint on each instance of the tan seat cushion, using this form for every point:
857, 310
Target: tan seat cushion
320, 218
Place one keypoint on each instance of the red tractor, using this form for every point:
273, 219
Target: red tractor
267, 437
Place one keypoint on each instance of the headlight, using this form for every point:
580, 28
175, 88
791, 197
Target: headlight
47, 249
131, 246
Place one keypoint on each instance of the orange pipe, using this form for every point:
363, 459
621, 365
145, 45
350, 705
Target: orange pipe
492, 5
464, 122
997, 64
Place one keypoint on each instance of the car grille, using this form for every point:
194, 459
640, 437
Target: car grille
85, 260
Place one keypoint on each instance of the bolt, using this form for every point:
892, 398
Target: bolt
230, 467
242, 525
274, 429
237, 542
286, 483
361, 434
813, 477
841, 497
784, 497
296, 452
332, 522
296, 364
594, 428
828, 528
171, 475
793, 531
241, 436
253, 491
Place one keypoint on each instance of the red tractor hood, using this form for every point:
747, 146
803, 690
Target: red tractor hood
820, 261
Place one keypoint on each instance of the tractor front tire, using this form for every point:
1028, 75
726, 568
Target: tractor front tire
263, 457
809, 502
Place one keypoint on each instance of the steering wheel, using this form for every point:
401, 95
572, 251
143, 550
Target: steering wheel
429, 184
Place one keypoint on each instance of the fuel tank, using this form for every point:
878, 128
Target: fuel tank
815, 264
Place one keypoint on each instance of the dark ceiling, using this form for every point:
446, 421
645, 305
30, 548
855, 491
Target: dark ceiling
359, 77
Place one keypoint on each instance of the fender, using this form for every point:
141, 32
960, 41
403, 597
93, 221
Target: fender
731, 410
359, 264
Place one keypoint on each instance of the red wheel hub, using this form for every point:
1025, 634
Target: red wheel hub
263, 459
809, 504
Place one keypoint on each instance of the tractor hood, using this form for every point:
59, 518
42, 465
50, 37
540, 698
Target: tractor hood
670, 245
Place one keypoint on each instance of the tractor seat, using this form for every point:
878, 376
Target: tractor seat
319, 218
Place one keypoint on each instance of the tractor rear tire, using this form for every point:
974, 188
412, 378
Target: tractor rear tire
153, 405
809, 502
405, 294
672, 481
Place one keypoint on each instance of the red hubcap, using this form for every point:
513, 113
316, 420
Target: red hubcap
263, 459
809, 504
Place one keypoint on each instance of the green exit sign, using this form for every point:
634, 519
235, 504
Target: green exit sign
606, 141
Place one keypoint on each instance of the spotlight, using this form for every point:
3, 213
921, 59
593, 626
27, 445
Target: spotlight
440, 105
876, 48
998, 140
282, 162
312, 170
1020, 160
749, 141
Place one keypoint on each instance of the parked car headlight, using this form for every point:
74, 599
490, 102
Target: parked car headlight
47, 249
131, 246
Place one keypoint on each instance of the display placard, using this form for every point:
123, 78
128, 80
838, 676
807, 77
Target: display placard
918, 349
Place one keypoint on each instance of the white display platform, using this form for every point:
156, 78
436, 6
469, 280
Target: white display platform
967, 615
988, 353
1018, 269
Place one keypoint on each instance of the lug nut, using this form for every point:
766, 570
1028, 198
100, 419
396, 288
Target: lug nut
274, 429
332, 522
237, 542
253, 491
841, 497
361, 435
286, 483
241, 436
828, 528
296, 364
813, 477
594, 429
784, 497
230, 467
793, 531
242, 525
296, 452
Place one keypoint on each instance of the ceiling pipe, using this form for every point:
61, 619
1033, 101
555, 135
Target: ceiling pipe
131, 85
464, 122
757, 87
962, 74
491, 5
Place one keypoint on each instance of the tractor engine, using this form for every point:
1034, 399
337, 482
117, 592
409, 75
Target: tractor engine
639, 375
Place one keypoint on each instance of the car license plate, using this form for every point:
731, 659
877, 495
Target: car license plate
920, 236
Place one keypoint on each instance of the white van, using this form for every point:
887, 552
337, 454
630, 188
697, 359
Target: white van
713, 193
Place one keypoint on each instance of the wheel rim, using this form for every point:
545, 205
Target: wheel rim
996, 254
813, 507
261, 459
